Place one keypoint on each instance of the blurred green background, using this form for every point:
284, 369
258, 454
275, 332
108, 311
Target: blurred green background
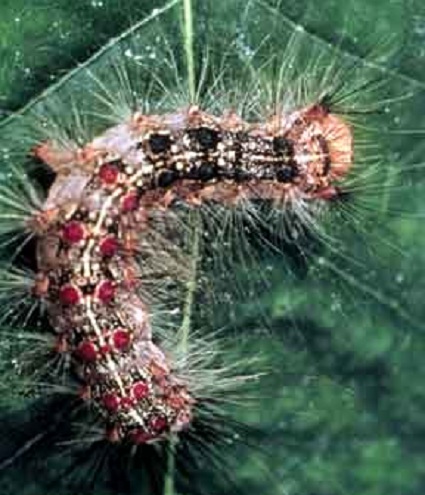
343, 333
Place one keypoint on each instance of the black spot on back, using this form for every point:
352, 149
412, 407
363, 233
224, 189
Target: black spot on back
283, 147
167, 177
206, 138
207, 171
159, 143
286, 173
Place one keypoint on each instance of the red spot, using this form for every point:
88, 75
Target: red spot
73, 232
108, 173
130, 202
121, 339
105, 291
87, 351
158, 423
109, 246
69, 295
140, 390
111, 402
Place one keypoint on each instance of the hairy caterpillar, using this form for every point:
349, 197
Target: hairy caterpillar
88, 236
193, 190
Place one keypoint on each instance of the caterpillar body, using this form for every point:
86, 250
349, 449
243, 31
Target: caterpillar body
97, 207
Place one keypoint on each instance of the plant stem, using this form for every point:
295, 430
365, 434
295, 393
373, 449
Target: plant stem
188, 46
169, 481
184, 332
171, 464
190, 287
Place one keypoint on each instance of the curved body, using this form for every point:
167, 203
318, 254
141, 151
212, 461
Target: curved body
98, 208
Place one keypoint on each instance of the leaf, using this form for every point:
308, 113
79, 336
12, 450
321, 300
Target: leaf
346, 327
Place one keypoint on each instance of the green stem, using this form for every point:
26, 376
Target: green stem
169, 481
190, 288
171, 464
184, 333
188, 46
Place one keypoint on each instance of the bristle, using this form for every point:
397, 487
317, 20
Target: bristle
17, 299
20, 201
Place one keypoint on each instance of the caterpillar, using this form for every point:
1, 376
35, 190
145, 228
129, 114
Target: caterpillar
88, 234
294, 145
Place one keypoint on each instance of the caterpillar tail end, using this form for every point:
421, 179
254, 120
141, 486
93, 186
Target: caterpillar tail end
54, 155
63, 159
